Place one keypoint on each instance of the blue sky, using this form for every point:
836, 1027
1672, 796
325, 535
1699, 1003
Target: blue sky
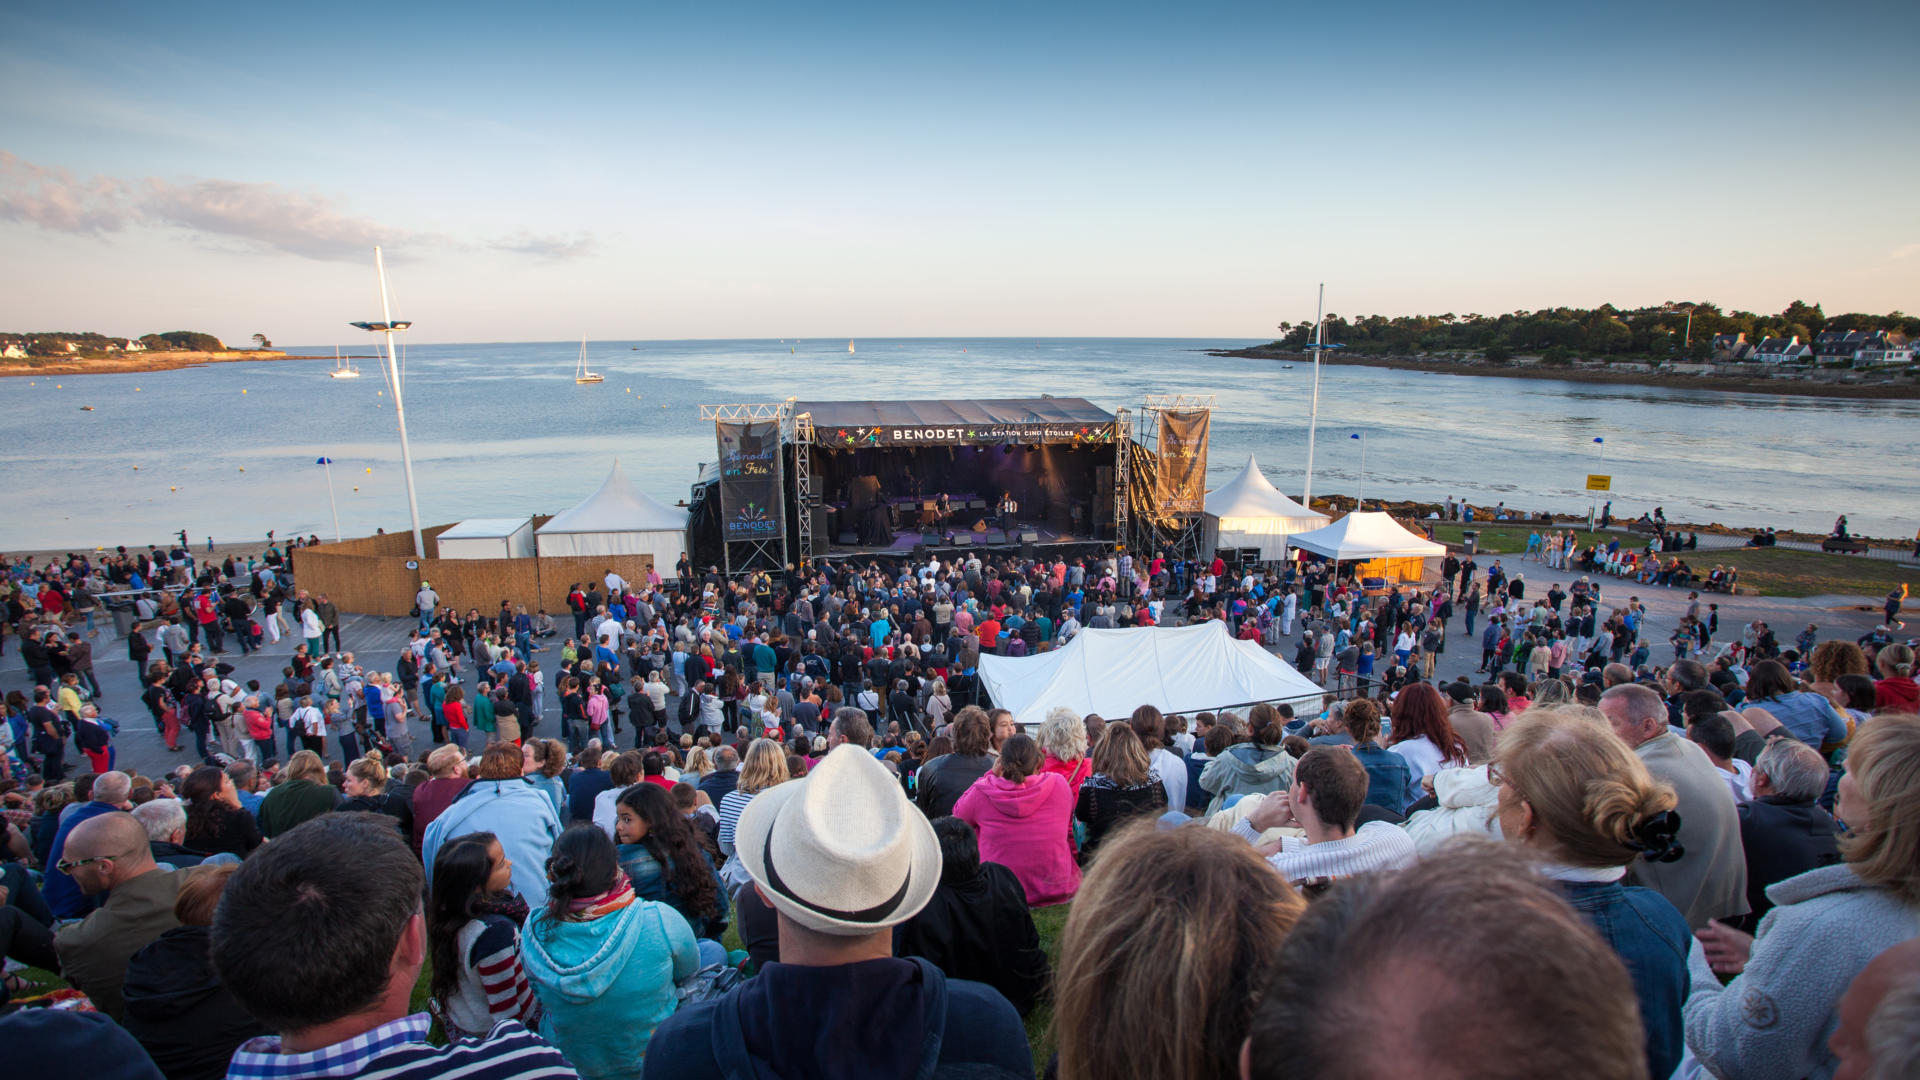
883, 170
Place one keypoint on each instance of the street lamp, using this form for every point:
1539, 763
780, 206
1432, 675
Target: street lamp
1359, 500
389, 327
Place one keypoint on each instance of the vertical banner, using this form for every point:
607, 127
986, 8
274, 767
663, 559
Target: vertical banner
1183, 460
751, 507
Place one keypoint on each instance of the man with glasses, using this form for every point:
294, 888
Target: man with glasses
109, 854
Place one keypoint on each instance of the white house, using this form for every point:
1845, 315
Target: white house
13, 352
1782, 350
1731, 347
134, 346
1884, 348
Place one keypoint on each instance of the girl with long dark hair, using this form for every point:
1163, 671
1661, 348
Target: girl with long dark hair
216, 822
603, 961
667, 859
477, 978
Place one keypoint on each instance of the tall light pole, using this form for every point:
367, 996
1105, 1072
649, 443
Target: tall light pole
388, 327
1313, 417
327, 462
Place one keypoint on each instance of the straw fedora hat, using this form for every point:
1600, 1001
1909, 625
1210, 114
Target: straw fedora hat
840, 851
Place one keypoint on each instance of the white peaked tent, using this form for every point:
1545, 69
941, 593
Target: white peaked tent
488, 538
1249, 512
1178, 669
618, 519
1364, 536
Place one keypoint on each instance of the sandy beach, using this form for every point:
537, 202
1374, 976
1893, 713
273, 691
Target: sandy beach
147, 361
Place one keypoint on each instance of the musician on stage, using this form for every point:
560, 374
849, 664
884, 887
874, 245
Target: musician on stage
1008, 509
942, 510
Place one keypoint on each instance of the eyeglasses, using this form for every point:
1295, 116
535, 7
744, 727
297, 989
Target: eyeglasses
68, 866
1494, 775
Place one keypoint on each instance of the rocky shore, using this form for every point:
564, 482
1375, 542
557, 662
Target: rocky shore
123, 363
1838, 384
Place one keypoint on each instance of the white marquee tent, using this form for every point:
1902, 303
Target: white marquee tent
488, 538
618, 519
1363, 536
1249, 512
1178, 669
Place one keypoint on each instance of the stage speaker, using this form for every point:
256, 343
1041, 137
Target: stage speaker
822, 523
962, 539
847, 539
1026, 548
1028, 536
920, 553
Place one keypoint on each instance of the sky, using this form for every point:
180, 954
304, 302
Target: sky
845, 170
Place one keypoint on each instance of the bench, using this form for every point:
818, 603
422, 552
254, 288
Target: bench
1850, 545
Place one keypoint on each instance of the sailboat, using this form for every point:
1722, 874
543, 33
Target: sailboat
580, 372
849, 347
342, 367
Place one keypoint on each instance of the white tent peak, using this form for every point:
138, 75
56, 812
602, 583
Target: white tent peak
1363, 535
1179, 669
1251, 495
617, 506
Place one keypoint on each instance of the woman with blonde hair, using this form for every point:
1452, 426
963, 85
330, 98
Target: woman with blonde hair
1123, 786
1580, 800
301, 794
939, 704
1826, 924
698, 764
365, 789
1128, 1004
1063, 739
764, 767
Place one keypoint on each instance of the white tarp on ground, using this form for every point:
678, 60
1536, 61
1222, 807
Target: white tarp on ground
1177, 669
1249, 512
618, 519
1372, 534
488, 538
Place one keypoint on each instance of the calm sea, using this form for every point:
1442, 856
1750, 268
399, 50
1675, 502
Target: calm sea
502, 429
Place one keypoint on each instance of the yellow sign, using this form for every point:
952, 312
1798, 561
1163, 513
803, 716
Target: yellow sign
1596, 482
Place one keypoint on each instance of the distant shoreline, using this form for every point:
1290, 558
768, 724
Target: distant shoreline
1802, 387
138, 362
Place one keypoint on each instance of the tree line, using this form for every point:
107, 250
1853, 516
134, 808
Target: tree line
1659, 332
55, 342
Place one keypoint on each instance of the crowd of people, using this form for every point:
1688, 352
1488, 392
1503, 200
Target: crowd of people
775, 830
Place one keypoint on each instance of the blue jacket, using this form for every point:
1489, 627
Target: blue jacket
819, 1022
519, 814
607, 983
1388, 776
1652, 937
650, 883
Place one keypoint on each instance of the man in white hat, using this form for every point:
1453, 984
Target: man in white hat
842, 857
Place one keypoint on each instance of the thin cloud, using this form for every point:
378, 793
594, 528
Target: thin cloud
264, 216
546, 247
1906, 251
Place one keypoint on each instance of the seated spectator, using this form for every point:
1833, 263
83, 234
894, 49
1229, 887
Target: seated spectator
587, 782
1880, 1018
301, 795
365, 789
1063, 739
1023, 817
1329, 787
1481, 937
166, 825
44, 1042
854, 860
1388, 774
446, 779
1257, 766
623, 772
942, 780
1123, 784
103, 794
1586, 806
502, 801
1713, 734
1127, 1004
667, 859
1783, 830
1807, 716
977, 925
110, 854
175, 1004
321, 935
478, 980
1796, 972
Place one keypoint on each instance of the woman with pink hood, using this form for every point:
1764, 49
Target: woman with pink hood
1023, 815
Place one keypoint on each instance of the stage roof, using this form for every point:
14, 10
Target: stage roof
858, 424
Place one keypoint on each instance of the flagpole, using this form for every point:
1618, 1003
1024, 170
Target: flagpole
1313, 417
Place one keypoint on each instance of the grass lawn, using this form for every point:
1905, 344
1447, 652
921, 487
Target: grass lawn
1763, 571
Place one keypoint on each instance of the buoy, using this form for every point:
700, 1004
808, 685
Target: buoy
57, 386
173, 489
136, 389
243, 391
243, 468
356, 487
369, 472
629, 389
136, 468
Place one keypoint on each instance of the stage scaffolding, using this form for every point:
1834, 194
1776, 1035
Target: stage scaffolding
1164, 519
770, 553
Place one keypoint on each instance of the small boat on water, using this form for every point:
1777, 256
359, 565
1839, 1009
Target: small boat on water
342, 367
1286, 367
86, 408
580, 372
849, 347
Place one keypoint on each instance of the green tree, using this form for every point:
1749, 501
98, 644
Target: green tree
260, 341
1807, 315
1608, 335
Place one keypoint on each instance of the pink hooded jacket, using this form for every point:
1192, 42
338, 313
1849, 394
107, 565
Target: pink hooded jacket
1024, 827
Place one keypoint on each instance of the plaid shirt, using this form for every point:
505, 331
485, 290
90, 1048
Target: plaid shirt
399, 1051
